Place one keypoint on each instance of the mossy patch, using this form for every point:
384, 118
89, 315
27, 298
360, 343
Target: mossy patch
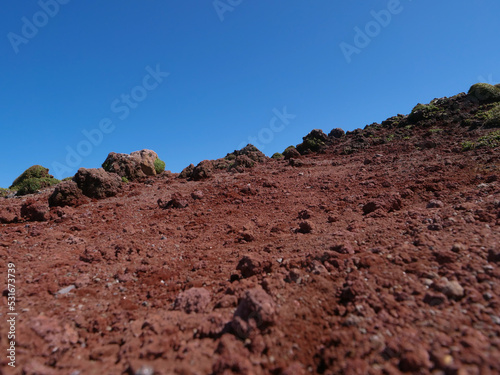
278, 156
490, 140
485, 93
159, 166
4, 192
33, 179
492, 119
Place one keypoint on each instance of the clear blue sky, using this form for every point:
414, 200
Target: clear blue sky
230, 72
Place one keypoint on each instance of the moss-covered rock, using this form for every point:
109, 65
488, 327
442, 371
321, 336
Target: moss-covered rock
315, 141
291, 152
422, 112
32, 180
484, 93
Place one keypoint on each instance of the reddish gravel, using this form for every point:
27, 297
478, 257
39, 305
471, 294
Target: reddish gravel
381, 261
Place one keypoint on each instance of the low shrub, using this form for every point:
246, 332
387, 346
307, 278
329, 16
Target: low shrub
492, 119
33, 179
278, 156
159, 166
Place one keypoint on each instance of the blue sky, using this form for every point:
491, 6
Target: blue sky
267, 71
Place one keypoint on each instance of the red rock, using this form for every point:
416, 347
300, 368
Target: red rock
32, 210
251, 265
97, 183
256, 310
193, 300
67, 193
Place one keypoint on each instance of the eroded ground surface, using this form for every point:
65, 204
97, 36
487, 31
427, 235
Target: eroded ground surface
382, 261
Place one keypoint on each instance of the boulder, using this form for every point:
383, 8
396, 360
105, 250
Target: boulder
67, 193
146, 160
187, 172
32, 210
97, 183
291, 153
315, 141
336, 133
203, 170
123, 165
134, 166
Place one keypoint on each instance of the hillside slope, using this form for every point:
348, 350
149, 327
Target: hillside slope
376, 252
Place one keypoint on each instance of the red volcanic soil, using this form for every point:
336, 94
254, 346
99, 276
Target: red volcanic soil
379, 255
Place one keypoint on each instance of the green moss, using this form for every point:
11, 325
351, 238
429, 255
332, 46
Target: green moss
485, 92
436, 130
426, 108
35, 171
492, 119
33, 179
32, 185
4, 192
278, 156
159, 166
490, 140
390, 137
125, 180
67, 179
310, 144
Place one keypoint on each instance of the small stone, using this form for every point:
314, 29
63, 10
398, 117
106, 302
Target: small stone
305, 227
176, 201
458, 247
193, 300
434, 299
451, 289
256, 310
494, 255
198, 194
66, 290
251, 265
434, 203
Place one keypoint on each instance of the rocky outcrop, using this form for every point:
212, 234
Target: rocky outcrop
97, 183
67, 193
137, 165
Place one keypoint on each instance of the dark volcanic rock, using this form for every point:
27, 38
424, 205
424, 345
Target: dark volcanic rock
97, 183
203, 170
32, 210
67, 193
251, 265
